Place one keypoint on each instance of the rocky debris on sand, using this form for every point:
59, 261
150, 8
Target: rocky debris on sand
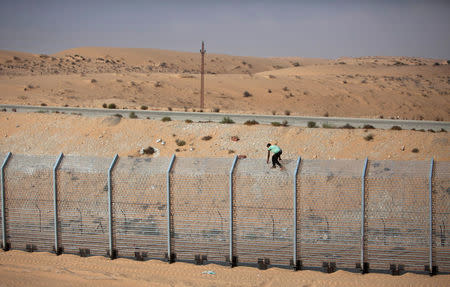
241, 156
235, 138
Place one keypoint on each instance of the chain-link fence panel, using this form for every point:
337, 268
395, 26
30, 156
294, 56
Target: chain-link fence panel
83, 204
263, 212
441, 216
29, 202
139, 207
397, 214
200, 208
2, 158
329, 212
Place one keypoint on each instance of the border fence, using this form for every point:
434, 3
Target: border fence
356, 215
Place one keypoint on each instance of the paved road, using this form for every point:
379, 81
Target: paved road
238, 118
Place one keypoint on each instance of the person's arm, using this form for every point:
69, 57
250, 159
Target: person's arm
268, 156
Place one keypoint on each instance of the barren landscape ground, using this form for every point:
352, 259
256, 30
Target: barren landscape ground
369, 87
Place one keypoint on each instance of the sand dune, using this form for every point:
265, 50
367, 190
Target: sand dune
389, 87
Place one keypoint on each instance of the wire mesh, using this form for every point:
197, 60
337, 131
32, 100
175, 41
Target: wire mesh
441, 216
139, 206
263, 212
397, 214
29, 202
83, 204
329, 215
200, 208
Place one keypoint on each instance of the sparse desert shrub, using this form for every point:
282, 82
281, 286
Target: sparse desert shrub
396, 128
144, 108
296, 64
448, 62
247, 94
312, 125
188, 121
43, 104
158, 84
119, 80
287, 112
275, 124
180, 142
415, 150
269, 91
118, 115
326, 114
227, 120
272, 77
16, 58
436, 64
285, 89
274, 112
431, 130
443, 130
30, 86
284, 123
133, 115
104, 105
166, 119
215, 110
251, 123
230, 151
149, 150
347, 126
206, 138
169, 109
368, 127
93, 81
368, 137
112, 106
327, 126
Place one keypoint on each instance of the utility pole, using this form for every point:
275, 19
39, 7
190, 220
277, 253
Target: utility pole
202, 88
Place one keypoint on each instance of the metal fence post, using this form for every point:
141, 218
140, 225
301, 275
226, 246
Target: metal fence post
58, 250
430, 191
232, 261
170, 257
112, 252
295, 264
5, 245
364, 267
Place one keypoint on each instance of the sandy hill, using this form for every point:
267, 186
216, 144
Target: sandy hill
389, 87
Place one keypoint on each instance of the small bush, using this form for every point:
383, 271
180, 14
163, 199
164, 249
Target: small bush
118, 115
285, 89
133, 115
269, 91
180, 142
431, 130
206, 138
287, 112
158, 85
443, 130
326, 114
275, 124
227, 120
144, 108
166, 119
149, 150
93, 81
105, 106
327, 126
415, 150
436, 64
230, 151
296, 64
368, 127
188, 121
396, 128
284, 123
274, 112
368, 137
169, 109
112, 106
251, 123
347, 126
312, 125
44, 104
247, 94
215, 110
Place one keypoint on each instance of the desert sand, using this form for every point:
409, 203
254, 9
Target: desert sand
373, 87
19, 268
388, 87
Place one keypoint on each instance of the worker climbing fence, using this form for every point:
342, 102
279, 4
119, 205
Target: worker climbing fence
360, 215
